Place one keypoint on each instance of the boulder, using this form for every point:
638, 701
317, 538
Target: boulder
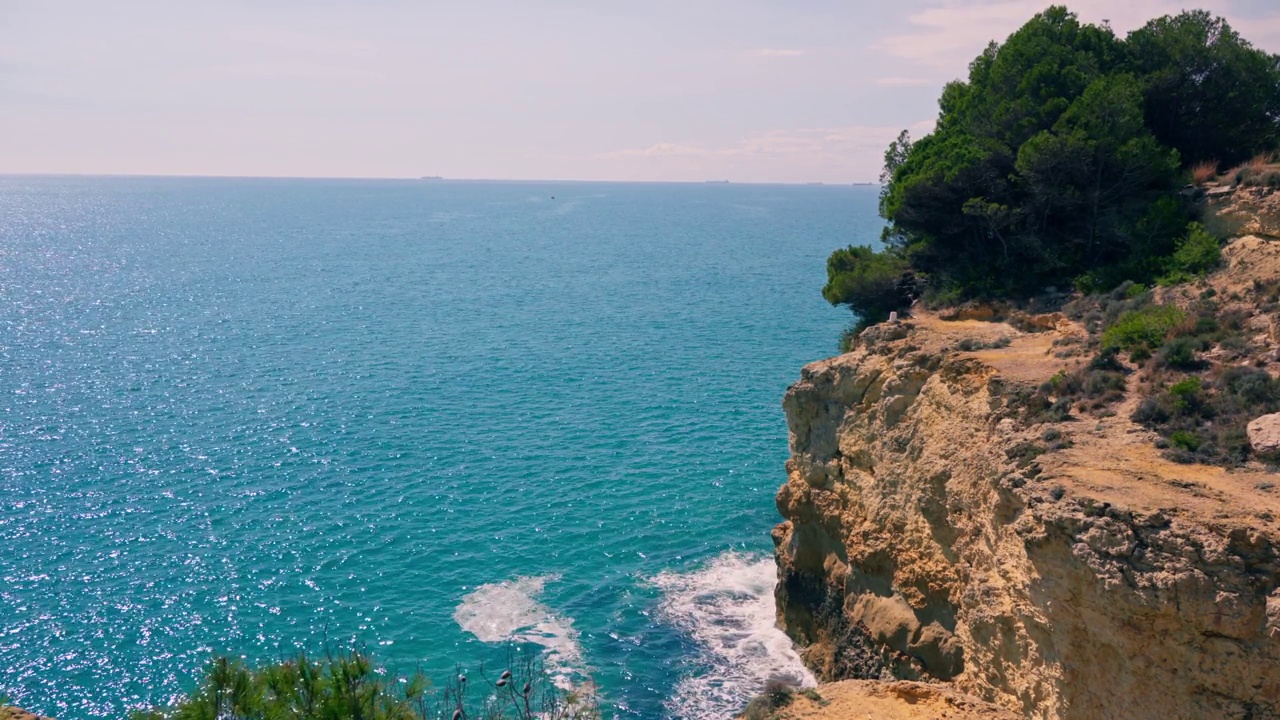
1264, 434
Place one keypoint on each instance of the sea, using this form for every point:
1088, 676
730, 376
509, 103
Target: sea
446, 422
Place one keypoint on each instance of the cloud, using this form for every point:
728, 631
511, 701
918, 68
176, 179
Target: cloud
658, 150
777, 52
830, 154
904, 81
947, 35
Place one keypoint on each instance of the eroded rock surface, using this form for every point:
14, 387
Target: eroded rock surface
1099, 581
1264, 434
857, 699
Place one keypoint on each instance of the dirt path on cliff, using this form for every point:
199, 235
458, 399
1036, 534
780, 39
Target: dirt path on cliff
1027, 358
1116, 461
1113, 459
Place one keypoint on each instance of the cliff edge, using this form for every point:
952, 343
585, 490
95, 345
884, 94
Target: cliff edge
936, 531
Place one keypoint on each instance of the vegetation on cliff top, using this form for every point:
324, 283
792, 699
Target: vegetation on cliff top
1059, 161
348, 685
1193, 365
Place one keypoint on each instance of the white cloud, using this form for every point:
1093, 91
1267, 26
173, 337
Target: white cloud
777, 52
946, 36
658, 150
904, 81
834, 154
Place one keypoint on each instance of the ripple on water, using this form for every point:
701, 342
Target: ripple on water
245, 416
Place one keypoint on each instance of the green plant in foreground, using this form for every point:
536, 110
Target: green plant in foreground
349, 686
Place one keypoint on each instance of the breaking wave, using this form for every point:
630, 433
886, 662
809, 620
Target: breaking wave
510, 612
727, 608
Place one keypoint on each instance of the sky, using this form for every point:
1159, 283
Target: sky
660, 90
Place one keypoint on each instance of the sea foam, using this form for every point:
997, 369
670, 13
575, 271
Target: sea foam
727, 608
510, 612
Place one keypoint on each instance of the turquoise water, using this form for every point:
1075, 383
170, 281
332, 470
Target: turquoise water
247, 415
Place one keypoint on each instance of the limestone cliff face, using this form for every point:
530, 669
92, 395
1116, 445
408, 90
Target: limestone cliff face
925, 539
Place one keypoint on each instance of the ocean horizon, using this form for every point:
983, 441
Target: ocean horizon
446, 420
426, 179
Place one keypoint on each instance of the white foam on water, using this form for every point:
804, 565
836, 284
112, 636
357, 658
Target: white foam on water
727, 607
510, 612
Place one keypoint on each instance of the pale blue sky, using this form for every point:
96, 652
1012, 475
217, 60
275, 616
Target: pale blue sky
746, 90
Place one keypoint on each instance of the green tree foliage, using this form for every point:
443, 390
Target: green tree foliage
1040, 166
873, 283
1058, 160
1209, 94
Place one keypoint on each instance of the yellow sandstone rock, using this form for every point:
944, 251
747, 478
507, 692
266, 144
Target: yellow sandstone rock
1096, 582
860, 699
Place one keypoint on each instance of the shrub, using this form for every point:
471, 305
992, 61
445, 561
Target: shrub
1146, 327
814, 696
1235, 346
1107, 360
849, 336
1204, 325
1196, 254
1249, 168
778, 693
871, 283
1253, 388
1025, 453
1184, 440
1186, 393
1257, 172
1204, 171
1109, 386
348, 686
1150, 412
1206, 422
1092, 387
1234, 320
1180, 353
972, 344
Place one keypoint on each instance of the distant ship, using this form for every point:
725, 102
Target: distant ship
813, 183
431, 177
717, 182
864, 183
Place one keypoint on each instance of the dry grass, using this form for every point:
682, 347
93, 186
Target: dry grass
1256, 164
1204, 171
1267, 177
1262, 171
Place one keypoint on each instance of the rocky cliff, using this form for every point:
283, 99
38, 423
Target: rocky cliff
1060, 571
